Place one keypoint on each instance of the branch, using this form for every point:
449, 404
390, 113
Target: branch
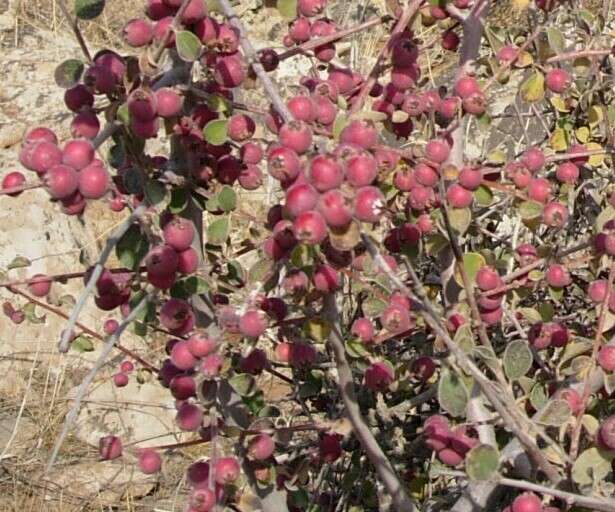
570, 498
406, 17
74, 25
252, 57
385, 470
19, 189
83, 387
98, 268
581, 53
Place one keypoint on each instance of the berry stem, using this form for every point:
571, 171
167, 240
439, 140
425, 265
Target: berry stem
63, 277
74, 25
98, 268
405, 19
15, 190
581, 53
85, 384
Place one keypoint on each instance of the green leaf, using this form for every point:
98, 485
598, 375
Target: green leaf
68, 73
29, 311
132, 247
179, 200
287, 8
19, 262
593, 465
555, 414
482, 462
483, 196
452, 394
134, 180
188, 46
460, 219
155, 192
355, 348
556, 40
218, 103
89, 9
529, 210
227, 199
472, 263
341, 121
82, 343
218, 231
538, 396
243, 384
517, 359
373, 306
317, 329
533, 89
216, 132
311, 386
260, 271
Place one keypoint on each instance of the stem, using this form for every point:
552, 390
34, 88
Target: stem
406, 17
85, 384
315, 43
83, 328
105, 133
377, 457
98, 268
252, 57
21, 188
580, 53
576, 433
74, 25
570, 156
174, 26
61, 277
570, 498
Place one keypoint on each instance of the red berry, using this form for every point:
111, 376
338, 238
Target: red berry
61, 181
93, 181
555, 214
300, 198
458, 197
161, 261
368, 204
567, 173
557, 276
120, 380
379, 376
76, 98
85, 124
189, 417
527, 502
335, 208
226, 470
325, 173
310, 227
466, 86
487, 278
558, 80
450, 40
182, 357
178, 233
168, 103
149, 461
283, 163
12, 180
138, 32
475, 103
326, 279
110, 447
241, 127
360, 132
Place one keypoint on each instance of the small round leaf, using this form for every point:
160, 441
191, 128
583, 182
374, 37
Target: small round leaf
89, 9
482, 462
216, 132
517, 359
188, 46
68, 73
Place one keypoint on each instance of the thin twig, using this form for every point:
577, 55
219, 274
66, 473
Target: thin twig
74, 25
98, 268
85, 384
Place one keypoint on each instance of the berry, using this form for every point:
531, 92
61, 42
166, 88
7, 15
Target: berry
138, 32
426, 175
379, 376
120, 380
93, 181
110, 447
330, 448
507, 53
368, 204
149, 461
40, 156
325, 173
226, 470
85, 124
335, 208
405, 78
161, 261
302, 108
361, 170
474, 104
533, 159
78, 153
241, 127
201, 345
61, 181
487, 278
558, 80
211, 365
423, 368
567, 173
606, 358
76, 98
251, 153
178, 233
127, 367
296, 135
230, 71
539, 189
458, 197
361, 133
597, 291
526, 502
261, 447
557, 276
12, 180
38, 134
606, 434
168, 102
253, 323
182, 357
470, 178
555, 214
326, 279
363, 329
182, 387
39, 285
450, 40
189, 417
110, 326
202, 499
437, 151
310, 227
450, 457
283, 163
466, 86
300, 198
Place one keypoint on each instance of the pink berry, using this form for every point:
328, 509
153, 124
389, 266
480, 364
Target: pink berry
296, 135
110, 326
302, 108
230, 71
61, 181
168, 103
178, 233
539, 189
161, 260
533, 159
360, 132
182, 387
310, 227
78, 153
555, 214
466, 86
120, 380
241, 127
597, 291
527, 502
437, 151
507, 53
450, 457
39, 285
557, 276
283, 163
253, 323
201, 345
606, 434
300, 198
127, 367
110, 447
226, 470
261, 447
475, 103
40, 156
211, 365
38, 134
470, 178
189, 417
149, 461
182, 357
426, 175
335, 208
93, 181
487, 278
361, 170
558, 80
326, 279
251, 153
138, 32
379, 376
458, 197
368, 204
13, 180
606, 358
201, 499
325, 173
85, 124
311, 8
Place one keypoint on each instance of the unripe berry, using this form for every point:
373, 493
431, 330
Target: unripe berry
12, 180
61, 181
178, 233
458, 197
261, 447
379, 376
555, 214
325, 173
189, 417
138, 32
93, 181
558, 80
526, 502
110, 447
557, 276
310, 227
78, 153
296, 135
149, 461
369, 202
